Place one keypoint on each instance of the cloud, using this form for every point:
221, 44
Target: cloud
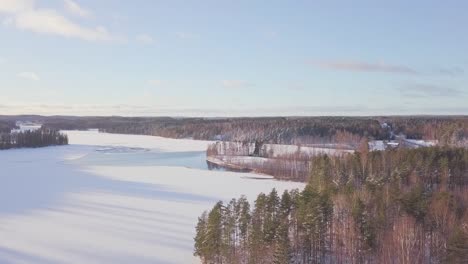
235, 84
144, 39
453, 71
359, 66
154, 82
151, 110
428, 90
15, 6
271, 34
47, 21
23, 15
32, 76
296, 86
76, 9
186, 35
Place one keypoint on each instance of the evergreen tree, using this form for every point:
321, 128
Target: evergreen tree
257, 246
200, 238
214, 235
282, 254
271, 217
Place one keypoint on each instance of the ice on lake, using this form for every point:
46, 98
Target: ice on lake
109, 198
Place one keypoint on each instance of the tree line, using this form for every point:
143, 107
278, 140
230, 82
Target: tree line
279, 130
394, 206
6, 126
32, 139
449, 130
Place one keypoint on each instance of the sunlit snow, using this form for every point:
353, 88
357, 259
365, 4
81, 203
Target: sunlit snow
110, 198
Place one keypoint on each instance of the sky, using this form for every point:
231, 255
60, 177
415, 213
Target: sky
233, 58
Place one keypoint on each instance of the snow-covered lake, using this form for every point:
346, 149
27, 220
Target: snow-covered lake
110, 198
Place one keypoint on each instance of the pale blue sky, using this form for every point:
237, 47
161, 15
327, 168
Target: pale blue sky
233, 57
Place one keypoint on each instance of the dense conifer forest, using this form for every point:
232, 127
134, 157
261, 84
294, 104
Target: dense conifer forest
32, 139
452, 130
393, 206
6, 126
271, 129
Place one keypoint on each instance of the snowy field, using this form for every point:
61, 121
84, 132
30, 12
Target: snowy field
110, 198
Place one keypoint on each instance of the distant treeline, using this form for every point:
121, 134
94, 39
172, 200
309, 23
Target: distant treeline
394, 206
278, 130
6, 126
32, 139
275, 129
448, 130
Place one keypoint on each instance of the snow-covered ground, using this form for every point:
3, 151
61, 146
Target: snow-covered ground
110, 198
408, 143
279, 149
421, 143
25, 126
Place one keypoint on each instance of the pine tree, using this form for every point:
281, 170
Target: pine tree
282, 254
244, 219
200, 237
285, 205
256, 237
229, 223
271, 218
214, 235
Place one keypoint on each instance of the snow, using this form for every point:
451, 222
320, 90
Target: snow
377, 145
422, 143
276, 150
93, 138
24, 127
241, 159
408, 143
96, 201
280, 149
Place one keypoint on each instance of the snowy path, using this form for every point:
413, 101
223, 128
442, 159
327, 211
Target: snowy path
110, 198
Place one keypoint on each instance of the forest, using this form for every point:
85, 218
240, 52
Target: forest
450, 130
32, 139
6, 126
265, 158
268, 129
393, 206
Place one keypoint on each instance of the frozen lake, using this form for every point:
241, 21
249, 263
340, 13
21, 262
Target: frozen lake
109, 198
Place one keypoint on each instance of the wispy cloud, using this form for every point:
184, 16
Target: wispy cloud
23, 15
452, 71
75, 9
235, 84
154, 82
295, 86
144, 39
32, 76
14, 6
145, 110
361, 66
428, 90
47, 21
186, 35
271, 34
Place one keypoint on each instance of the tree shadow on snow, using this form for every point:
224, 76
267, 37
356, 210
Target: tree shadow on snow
38, 178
